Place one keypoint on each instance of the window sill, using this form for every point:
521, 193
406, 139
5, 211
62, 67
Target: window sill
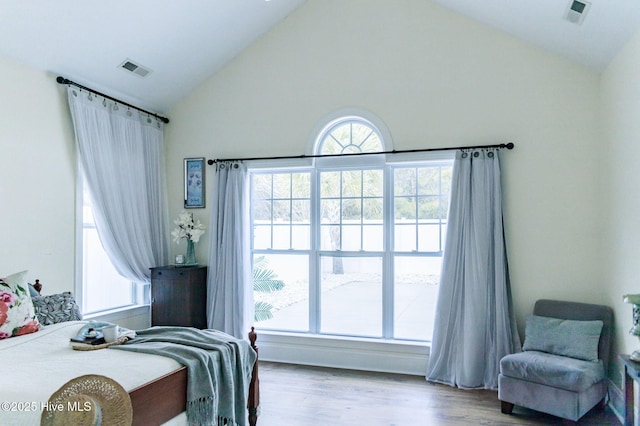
392, 356
113, 315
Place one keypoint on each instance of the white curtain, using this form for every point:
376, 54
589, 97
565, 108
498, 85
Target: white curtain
474, 323
121, 153
229, 283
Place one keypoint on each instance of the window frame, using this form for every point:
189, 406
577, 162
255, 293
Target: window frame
387, 163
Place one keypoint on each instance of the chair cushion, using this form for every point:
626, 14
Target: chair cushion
577, 339
552, 370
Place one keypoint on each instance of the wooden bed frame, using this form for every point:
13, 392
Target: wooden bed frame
165, 397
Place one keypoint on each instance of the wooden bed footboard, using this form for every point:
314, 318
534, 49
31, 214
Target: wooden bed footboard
253, 402
162, 399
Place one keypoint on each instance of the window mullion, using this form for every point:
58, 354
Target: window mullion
314, 256
388, 260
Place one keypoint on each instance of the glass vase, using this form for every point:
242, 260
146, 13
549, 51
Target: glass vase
190, 257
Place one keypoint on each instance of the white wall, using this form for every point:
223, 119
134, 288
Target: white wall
37, 183
436, 79
620, 197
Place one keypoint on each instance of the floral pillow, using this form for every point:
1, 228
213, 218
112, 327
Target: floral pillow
17, 315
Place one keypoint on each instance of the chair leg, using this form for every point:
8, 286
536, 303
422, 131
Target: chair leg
506, 407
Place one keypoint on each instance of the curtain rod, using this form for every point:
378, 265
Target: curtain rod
62, 80
509, 145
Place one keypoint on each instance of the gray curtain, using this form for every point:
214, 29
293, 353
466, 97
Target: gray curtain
229, 283
121, 153
474, 323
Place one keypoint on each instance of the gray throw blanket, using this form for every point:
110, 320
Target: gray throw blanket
219, 370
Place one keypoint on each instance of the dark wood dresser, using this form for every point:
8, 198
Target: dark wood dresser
179, 296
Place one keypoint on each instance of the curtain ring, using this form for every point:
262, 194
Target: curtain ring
490, 154
464, 155
235, 165
476, 154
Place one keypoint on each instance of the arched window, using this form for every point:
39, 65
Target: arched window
350, 233
349, 135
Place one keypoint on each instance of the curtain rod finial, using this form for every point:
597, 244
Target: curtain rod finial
510, 145
210, 162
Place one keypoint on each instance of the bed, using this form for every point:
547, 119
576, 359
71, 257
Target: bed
37, 364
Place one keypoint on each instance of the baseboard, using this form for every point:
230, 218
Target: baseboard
336, 352
616, 401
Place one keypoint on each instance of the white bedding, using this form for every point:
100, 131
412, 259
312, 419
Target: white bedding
34, 366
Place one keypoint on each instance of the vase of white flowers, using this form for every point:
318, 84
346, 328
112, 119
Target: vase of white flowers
191, 230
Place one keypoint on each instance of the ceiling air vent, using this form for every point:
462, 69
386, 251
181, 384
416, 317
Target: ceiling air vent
134, 68
577, 11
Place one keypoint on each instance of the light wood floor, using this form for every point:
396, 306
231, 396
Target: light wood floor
308, 396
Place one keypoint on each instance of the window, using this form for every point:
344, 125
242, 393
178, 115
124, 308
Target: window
102, 287
350, 247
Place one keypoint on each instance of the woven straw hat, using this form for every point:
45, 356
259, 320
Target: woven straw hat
89, 400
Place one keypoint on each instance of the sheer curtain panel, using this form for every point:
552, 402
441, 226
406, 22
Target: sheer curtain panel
475, 325
121, 153
229, 284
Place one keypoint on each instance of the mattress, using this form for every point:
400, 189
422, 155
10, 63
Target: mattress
34, 366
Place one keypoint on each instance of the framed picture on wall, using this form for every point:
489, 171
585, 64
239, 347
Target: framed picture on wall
193, 183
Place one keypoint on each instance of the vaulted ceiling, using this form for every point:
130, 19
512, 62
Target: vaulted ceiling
182, 43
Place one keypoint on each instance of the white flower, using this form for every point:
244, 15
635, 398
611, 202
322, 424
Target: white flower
187, 228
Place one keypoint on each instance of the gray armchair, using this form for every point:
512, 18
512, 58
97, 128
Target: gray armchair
563, 367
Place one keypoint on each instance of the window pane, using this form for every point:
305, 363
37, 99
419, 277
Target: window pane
428, 208
262, 236
282, 185
372, 210
282, 211
300, 237
288, 306
360, 133
262, 186
404, 181
351, 300
352, 183
330, 237
373, 181
262, 210
372, 144
429, 181
300, 211
429, 238
301, 185
405, 237
331, 147
405, 208
102, 287
342, 134
281, 237
351, 237
330, 211
330, 184
446, 179
351, 211
415, 294
373, 238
